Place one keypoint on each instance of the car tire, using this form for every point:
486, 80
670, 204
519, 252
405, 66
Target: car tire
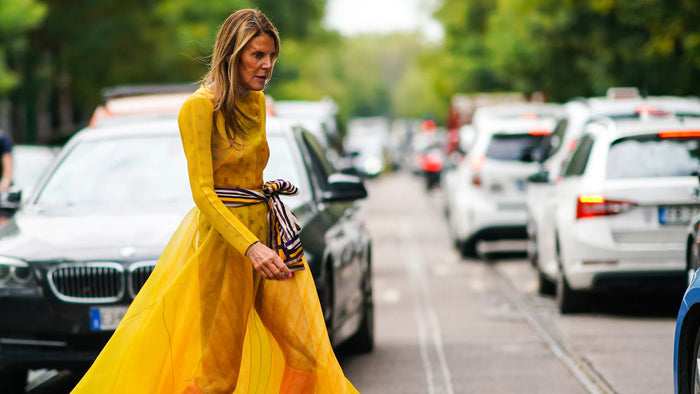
545, 286
468, 249
13, 380
568, 299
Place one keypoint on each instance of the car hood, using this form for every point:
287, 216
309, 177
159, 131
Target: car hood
70, 234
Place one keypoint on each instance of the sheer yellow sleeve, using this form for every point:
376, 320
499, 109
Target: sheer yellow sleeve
195, 120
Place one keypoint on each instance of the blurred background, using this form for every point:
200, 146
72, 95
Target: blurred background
398, 59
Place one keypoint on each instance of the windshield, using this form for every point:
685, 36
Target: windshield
146, 169
645, 156
143, 170
513, 147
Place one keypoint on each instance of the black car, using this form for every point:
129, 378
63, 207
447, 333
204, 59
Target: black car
75, 255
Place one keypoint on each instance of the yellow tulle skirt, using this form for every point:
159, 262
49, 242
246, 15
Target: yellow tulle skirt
206, 322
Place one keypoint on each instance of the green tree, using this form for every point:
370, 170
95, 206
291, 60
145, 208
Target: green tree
16, 19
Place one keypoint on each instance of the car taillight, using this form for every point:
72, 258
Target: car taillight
540, 132
476, 179
679, 133
589, 206
475, 163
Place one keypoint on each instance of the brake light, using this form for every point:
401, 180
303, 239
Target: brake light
572, 145
679, 133
432, 162
540, 132
590, 205
475, 164
528, 116
645, 109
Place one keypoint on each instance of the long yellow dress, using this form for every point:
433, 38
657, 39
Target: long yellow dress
205, 321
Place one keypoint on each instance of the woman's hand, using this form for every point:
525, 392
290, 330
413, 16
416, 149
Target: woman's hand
268, 263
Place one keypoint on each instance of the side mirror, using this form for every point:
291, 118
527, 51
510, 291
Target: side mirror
343, 187
14, 196
539, 177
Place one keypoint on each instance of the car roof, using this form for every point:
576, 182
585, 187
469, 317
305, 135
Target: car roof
632, 127
155, 127
611, 106
518, 109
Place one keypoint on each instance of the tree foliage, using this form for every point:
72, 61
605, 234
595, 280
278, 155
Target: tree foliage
568, 48
16, 19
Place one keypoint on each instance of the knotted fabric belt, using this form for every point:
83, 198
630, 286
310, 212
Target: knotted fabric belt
283, 224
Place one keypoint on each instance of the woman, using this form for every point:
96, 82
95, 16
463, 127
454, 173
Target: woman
222, 311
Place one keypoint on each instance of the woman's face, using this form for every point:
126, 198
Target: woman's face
256, 62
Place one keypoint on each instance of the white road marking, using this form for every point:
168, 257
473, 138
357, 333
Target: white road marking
429, 332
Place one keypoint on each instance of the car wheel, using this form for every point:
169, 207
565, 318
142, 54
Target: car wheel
468, 249
545, 286
14, 380
695, 372
363, 340
568, 300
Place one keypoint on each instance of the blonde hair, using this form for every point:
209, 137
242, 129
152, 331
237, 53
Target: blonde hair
235, 33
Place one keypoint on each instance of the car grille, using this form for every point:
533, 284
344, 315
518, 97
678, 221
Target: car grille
138, 274
96, 282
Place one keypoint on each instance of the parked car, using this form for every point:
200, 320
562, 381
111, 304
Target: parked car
367, 143
556, 148
140, 103
622, 205
484, 195
686, 346
88, 239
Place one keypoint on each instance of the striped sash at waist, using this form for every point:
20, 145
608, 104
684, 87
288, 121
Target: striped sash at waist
283, 228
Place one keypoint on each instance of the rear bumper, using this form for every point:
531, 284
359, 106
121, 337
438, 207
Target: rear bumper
500, 232
644, 282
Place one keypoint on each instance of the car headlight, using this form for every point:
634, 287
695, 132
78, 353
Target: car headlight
14, 272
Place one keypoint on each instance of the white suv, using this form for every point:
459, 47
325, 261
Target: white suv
484, 195
557, 147
624, 201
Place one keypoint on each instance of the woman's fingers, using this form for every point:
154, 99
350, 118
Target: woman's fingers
268, 263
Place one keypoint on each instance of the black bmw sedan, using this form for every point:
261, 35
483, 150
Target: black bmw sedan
80, 248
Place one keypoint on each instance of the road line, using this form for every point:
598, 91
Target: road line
428, 324
582, 370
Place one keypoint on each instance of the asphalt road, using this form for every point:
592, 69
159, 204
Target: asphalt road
449, 325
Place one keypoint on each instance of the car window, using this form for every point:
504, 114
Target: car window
513, 147
321, 167
651, 156
579, 159
552, 142
120, 171
285, 163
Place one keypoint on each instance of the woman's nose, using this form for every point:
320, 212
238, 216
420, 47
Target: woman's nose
267, 63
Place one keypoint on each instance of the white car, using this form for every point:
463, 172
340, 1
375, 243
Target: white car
625, 199
557, 147
484, 194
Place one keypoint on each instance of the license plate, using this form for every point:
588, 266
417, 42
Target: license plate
520, 184
106, 317
677, 215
